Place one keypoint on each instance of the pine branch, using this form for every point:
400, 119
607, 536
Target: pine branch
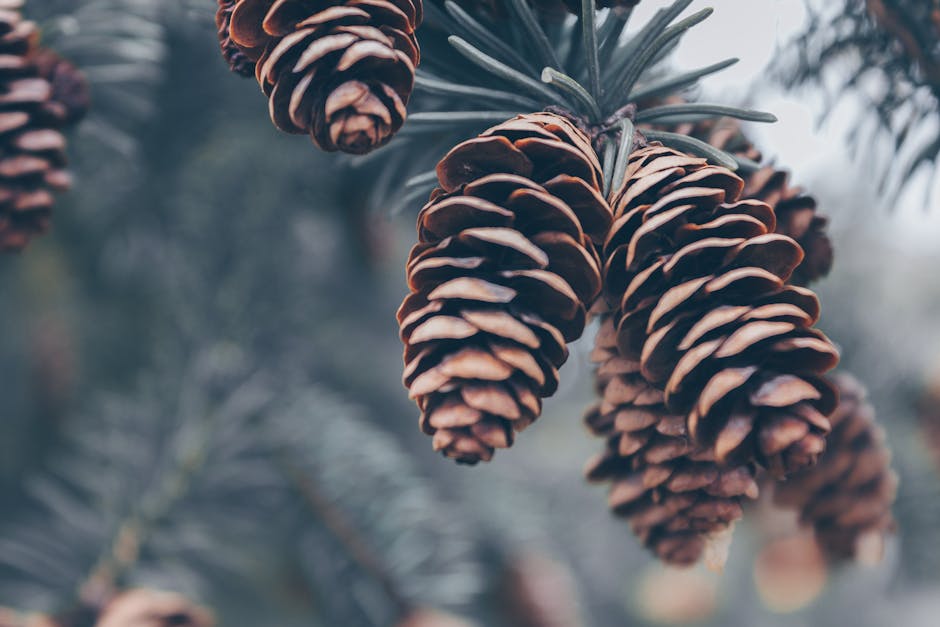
370, 519
132, 483
855, 44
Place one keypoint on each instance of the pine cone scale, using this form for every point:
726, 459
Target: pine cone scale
848, 495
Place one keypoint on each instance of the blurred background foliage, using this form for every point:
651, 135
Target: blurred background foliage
203, 357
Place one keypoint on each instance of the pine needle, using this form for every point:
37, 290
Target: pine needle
694, 146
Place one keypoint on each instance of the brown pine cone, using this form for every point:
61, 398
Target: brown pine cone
697, 280
342, 73
151, 608
33, 149
847, 496
795, 210
70, 88
672, 491
502, 276
12, 618
239, 62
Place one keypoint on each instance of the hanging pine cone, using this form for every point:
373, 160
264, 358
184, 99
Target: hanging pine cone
342, 73
847, 496
151, 608
672, 491
796, 211
70, 89
239, 62
502, 276
698, 283
33, 162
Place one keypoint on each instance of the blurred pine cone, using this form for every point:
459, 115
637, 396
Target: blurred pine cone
342, 73
150, 608
847, 496
673, 492
239, 62
12, 618
33, 163
70, 88
795, 210
503, 274
431, 618
698, 285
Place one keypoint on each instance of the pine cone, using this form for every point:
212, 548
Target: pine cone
70, 88
239, 62
847, 496
431, 618
342, 73
698, 284
795, 210
33, 149
502, 276
12, 618
673, 492
150, 608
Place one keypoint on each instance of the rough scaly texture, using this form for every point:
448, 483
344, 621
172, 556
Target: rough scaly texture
697, 281
342, 72
672, 491
501, 279
847, 496
32, 166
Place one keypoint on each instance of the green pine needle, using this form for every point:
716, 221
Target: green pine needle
627, 129
694, 146
624, 57
646, 56
539, 38
436, 118
479, 94
589, 39
425, 178
574, 89
678, 82
503, 71
483, 36
700, 109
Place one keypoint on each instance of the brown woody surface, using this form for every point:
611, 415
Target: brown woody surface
341, 73
671, 490
239, 62
847, 497
795, 210
698, 283
501, 279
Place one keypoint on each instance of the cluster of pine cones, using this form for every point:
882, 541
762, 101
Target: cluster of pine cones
710, 368
40, 95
